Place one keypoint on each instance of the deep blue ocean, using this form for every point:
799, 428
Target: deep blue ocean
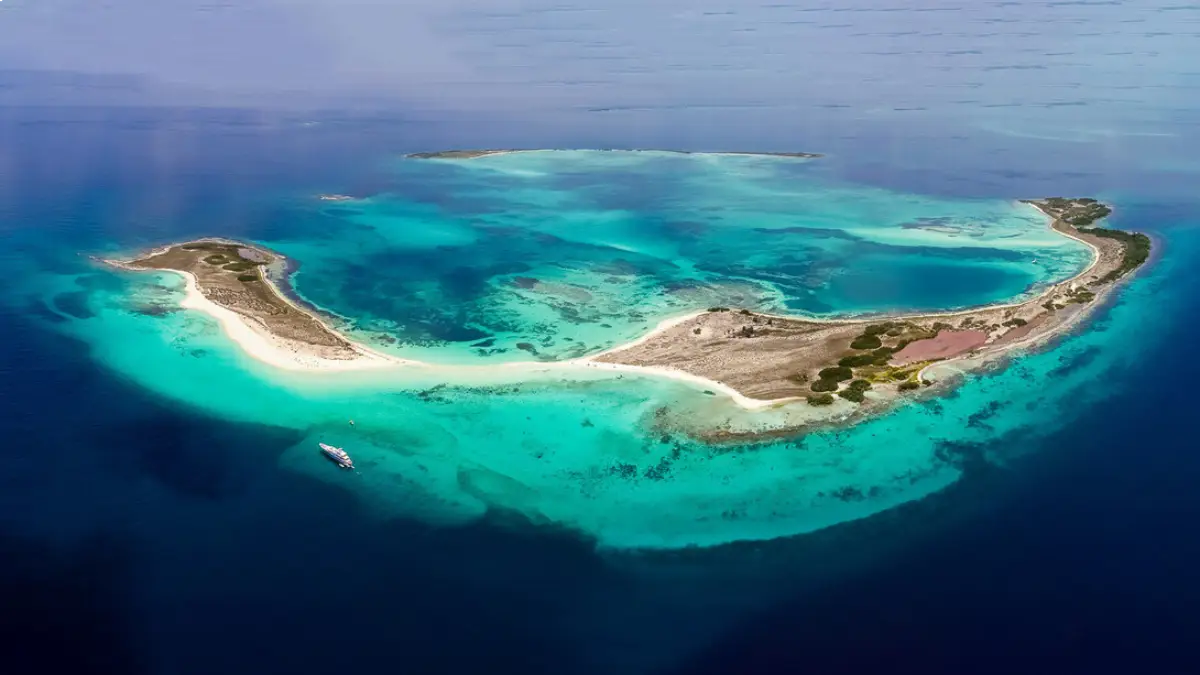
139, 536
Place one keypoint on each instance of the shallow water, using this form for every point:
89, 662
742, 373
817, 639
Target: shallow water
148, 519
570, 252
597, 452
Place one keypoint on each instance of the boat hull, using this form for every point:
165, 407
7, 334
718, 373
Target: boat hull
337, 456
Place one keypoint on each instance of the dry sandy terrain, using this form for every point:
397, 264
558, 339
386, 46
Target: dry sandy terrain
771, 357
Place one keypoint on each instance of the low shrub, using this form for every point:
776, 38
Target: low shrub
1015, 322
865, 341
240, 266
857, 360
836, 373
820, 399
852, 395
215, 259
247, 277
859, 385
824, 385
909, 385
877, 329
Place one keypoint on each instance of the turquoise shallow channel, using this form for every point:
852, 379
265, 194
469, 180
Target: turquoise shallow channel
568, 253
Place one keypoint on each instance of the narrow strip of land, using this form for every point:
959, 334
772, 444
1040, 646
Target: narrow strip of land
778, 358
841, 367
474, 154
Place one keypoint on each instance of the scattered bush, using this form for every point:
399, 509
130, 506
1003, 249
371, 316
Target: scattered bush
745, 312
909, 385
859, 385
1136, 250
820, 399
854, 392
879, 328
1015, 322
865, 341
857, 360
883, 355
824, 385
836, 373
852, 395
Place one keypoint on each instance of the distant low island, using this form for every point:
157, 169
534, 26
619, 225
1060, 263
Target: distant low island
839, 368
473, 154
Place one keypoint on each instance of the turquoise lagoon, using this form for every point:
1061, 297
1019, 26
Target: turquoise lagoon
572, 252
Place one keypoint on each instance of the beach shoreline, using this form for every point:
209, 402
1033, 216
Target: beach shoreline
258, 341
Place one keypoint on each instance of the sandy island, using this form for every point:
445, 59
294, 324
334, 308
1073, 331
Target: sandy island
839, 368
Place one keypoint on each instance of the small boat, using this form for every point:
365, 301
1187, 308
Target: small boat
338, 455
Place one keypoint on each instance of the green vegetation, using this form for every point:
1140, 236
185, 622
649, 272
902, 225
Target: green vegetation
824, 385
820, 399
891, 373
1078, 212
204, 246
836, 373
909, 385
866, 341
855, 391
880, 328
879, 357
215, 259
240, 266
718, 309
1080, 296
857, 360
1136, 247
1082, 216
247, 277
1015, 322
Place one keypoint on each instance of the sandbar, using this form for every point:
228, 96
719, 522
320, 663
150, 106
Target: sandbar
843, 367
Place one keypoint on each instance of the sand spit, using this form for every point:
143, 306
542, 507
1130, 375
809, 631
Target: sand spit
756, 360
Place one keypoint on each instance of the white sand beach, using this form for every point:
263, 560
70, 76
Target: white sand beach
259, 343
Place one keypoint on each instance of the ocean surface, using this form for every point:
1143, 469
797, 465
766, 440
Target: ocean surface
163, 509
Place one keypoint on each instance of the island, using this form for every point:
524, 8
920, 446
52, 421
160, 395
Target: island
239, 284
473, 154
840, 369
868, 362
